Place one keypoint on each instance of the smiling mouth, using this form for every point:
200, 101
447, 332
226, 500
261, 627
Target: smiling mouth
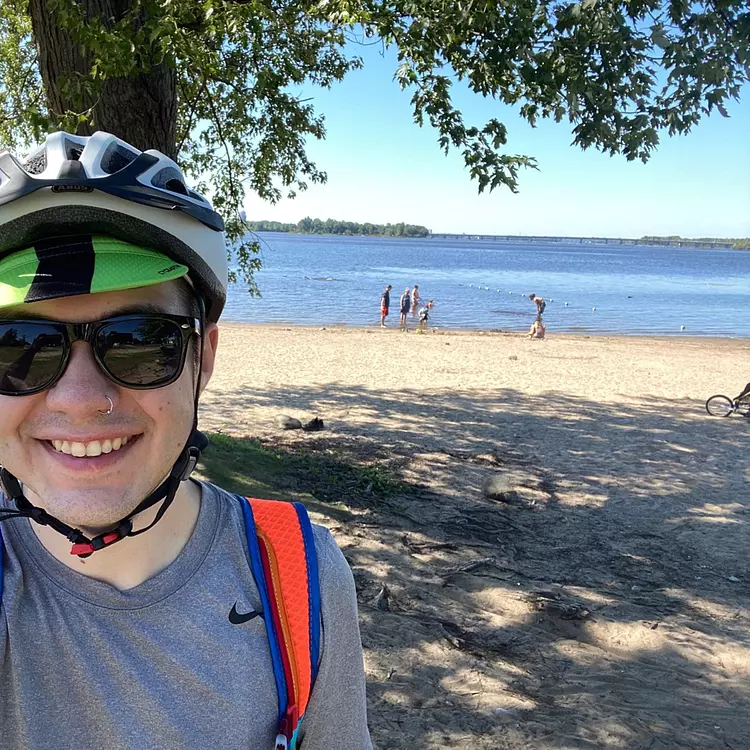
92, 449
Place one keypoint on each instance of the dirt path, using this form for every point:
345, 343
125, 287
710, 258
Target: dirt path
606, 606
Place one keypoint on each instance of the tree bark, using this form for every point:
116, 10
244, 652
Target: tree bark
141, 110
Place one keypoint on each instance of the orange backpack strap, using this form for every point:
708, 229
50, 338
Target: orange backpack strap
285, 567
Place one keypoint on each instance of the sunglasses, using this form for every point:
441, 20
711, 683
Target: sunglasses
139, 351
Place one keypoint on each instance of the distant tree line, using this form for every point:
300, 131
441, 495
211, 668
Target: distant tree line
333, 226
739, 243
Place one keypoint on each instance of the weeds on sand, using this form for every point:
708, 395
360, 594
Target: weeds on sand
260, 468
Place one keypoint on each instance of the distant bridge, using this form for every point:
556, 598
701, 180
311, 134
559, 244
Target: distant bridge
726, 244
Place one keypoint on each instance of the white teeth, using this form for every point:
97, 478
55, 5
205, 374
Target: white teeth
93, 449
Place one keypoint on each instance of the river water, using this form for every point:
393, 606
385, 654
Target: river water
479, 284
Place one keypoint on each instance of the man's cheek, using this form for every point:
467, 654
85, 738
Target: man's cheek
6, 447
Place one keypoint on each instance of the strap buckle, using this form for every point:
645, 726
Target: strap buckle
287, 728
193, 456
84, 549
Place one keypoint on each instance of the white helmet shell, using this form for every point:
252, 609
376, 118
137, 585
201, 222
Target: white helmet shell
101, 185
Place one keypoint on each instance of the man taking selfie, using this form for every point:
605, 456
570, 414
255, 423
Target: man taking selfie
140, 608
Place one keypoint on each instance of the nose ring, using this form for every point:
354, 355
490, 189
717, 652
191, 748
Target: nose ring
111, 407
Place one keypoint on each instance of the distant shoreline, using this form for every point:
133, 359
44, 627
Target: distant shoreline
705, 243
337, 227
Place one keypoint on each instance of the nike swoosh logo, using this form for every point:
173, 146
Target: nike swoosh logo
237, 619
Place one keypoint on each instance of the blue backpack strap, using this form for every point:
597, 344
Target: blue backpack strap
313, 585
285, 567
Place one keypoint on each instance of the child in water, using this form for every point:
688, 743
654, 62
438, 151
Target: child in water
424, 316
537, 329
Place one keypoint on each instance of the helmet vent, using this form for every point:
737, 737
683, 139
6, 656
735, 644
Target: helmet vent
73, 150
117, 157
37, 163
169, 179
176, 186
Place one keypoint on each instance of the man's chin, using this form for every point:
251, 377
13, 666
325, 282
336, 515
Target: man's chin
90, 509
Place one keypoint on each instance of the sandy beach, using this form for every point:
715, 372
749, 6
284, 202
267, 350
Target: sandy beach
603, 602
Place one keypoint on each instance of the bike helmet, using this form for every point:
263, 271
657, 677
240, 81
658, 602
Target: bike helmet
100, 185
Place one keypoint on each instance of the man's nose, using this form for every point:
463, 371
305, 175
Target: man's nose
82, 390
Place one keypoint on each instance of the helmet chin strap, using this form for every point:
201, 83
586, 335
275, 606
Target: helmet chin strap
165, 493
83, 546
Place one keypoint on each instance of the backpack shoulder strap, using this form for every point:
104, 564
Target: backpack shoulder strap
285, 568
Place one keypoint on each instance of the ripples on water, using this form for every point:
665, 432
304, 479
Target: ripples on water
325, 280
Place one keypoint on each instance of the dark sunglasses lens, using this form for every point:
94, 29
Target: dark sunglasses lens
141, 352
30, 357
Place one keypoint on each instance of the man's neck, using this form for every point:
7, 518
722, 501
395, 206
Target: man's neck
135, 559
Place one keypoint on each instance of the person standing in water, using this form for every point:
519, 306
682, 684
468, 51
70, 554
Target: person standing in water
540, 304
385, 303
414, 300
405, 306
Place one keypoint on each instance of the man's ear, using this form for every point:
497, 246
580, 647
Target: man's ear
210, 345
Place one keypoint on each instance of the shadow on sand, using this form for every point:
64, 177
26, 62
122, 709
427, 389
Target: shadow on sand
604, 606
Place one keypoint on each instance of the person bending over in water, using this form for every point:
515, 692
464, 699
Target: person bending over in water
424, 316
540, 303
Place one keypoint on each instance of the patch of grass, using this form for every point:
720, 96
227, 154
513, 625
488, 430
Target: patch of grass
333, 476
243, 466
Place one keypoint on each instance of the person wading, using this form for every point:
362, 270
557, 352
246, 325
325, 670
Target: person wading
540, 304
141, 608
385, 304
414, 300
404, 307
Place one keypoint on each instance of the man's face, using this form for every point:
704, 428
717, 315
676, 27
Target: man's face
95, 492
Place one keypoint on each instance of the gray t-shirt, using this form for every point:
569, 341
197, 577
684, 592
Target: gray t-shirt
160, 665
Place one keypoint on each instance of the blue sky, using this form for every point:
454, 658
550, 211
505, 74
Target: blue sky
383, 168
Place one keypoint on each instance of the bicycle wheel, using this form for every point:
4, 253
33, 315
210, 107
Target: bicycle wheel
719, 406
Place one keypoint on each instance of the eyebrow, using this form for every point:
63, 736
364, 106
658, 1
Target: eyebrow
134, 309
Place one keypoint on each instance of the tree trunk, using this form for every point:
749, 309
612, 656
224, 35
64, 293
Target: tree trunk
141, 110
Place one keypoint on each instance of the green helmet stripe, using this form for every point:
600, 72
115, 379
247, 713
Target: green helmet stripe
69, 266
144, 267
16, 281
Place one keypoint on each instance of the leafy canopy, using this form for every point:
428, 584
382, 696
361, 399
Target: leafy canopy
621, 72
